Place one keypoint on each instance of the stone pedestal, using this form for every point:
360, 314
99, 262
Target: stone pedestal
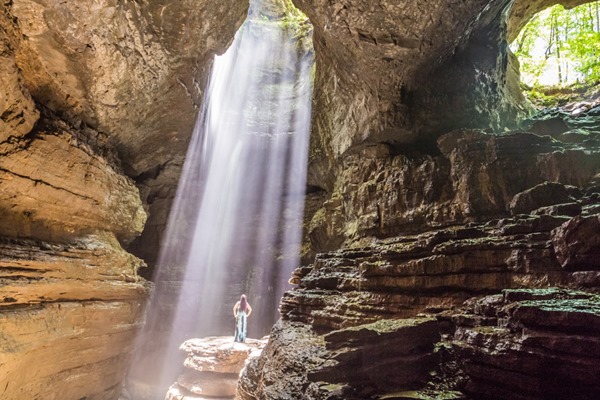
212, 368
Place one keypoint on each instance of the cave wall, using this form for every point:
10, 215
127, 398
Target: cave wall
92, 95
388, 72
470, 273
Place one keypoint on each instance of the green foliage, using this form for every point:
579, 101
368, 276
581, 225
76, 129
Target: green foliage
560, 47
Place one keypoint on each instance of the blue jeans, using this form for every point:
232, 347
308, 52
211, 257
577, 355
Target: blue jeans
240, 327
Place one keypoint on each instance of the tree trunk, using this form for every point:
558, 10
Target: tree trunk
597, 17
558, 43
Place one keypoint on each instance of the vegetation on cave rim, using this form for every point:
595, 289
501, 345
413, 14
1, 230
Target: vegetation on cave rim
285, 14
559, 54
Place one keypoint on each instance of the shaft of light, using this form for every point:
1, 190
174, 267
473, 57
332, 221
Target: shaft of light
235, 225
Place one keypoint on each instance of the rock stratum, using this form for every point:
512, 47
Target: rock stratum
470, 273
70, 296
84, 86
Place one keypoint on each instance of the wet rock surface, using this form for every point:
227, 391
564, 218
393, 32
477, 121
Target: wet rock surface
531, 344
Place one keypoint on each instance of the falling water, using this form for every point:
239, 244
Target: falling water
235, 225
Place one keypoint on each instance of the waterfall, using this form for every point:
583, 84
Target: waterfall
235, 224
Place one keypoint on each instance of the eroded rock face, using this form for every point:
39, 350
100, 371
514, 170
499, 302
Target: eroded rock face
577, 244
531, 344
383, 66
55, 187
70, 297
456, 238
18, 113
353, 363
379, 193
69, 313
133, 71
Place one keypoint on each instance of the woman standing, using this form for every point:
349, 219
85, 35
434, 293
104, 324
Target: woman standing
241, 311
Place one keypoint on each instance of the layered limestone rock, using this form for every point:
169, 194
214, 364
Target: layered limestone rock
531, 344
70, 297
383, 66
212, 367
69, 314
134, 71
69, 311
89, 92
328, 353
379, 193
442, 268
56, 187
424, 233
352, 363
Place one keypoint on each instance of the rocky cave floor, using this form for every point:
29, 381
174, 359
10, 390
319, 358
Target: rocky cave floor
505, 306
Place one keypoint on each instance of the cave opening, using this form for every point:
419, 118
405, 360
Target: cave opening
558, 49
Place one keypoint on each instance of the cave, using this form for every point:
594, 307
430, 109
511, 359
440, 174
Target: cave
449, 245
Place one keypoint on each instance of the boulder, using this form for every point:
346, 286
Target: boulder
385, 355
209, 384
353, 363
553, 126
577, 243
542, 195
177, 392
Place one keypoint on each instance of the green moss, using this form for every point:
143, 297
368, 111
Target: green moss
423, 395
554, 96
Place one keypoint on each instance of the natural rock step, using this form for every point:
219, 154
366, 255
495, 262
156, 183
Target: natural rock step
387, 354
547, 346
352, 363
